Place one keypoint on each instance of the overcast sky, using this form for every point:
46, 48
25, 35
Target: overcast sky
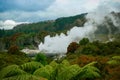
37, 10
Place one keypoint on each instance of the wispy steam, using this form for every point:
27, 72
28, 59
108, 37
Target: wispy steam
59, 43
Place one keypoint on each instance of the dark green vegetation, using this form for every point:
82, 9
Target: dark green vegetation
53, 71
95, 47
84, 61
9, 59
30, 35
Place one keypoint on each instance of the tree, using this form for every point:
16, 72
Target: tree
72, 47
114, 61
22, 72
88, 72
53, 71
84, 41
13, 49
40, 57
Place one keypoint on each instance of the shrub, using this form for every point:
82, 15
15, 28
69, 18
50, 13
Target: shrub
13, 50
72, 47
40, 57
84, 41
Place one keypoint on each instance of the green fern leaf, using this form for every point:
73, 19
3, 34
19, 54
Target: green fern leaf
30, 67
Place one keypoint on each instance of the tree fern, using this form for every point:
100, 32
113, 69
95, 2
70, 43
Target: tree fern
53, 64
11, 70
65, 63
116, 57
53, 71
68, 72
44, 72
114, 61
30, 67
88, 71
24, 77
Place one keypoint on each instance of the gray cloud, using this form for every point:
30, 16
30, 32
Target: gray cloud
24, 5
37, 10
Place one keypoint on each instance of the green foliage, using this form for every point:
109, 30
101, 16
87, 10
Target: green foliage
115, 60
11, 70
9, 59
44, 72
53, 71
88, 72
40, 57
24, 77
30, 67
25, 35
13, 49
84, 41
68, 22
90, 49
72, 47
22, 72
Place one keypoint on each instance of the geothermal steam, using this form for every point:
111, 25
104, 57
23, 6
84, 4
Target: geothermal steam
59, 43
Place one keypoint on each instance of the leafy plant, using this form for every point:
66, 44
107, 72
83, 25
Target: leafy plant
53, 71
84, 41
40, 57
114, 61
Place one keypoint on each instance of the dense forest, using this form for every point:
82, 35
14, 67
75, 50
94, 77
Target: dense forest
85, 60
30, 35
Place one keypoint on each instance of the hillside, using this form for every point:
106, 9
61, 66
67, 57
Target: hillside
60, 24
32, 34
98, 60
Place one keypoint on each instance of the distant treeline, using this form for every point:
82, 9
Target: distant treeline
30, 35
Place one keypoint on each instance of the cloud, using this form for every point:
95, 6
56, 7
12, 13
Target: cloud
38, 10
24, 5
59, 43
9, 24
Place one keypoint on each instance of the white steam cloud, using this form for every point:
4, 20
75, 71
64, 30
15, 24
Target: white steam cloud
59, 43
9, 24
99, 20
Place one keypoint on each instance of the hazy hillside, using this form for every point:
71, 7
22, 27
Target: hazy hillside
30, 35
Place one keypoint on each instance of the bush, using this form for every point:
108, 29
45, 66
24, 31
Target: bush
84, 41
13, 50
72, 47
40, 57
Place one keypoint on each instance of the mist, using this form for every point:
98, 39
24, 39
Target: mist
103, 20
59, 43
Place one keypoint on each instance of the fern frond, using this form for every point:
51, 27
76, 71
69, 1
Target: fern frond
53, 64
44, 71
91, 64
24, 77
88, 71
30, 67
68, 72
65, 62
11, 70
114, 62
116, 57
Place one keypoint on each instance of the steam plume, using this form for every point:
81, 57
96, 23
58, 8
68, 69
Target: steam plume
102, 20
